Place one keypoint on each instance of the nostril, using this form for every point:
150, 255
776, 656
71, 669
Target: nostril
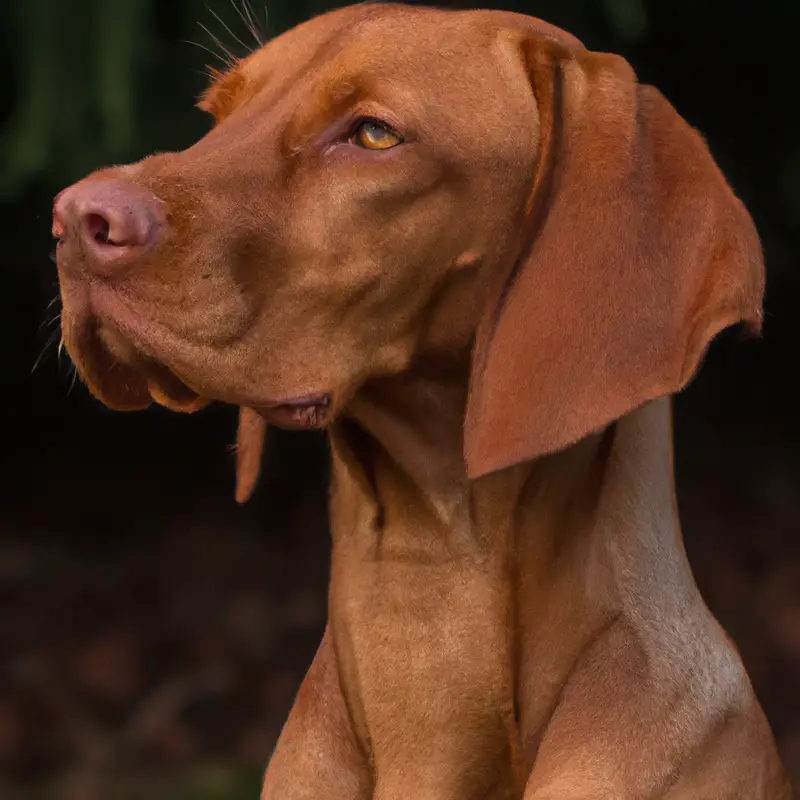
117, 227
99, 228
113, 220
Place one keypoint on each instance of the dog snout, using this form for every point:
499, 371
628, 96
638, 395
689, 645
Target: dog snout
107, 221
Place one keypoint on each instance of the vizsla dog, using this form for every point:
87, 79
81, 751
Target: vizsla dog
483, 258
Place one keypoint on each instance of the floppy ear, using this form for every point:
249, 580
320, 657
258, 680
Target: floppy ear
249, 447
637, 254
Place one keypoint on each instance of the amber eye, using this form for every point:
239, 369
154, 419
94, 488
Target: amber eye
374, 136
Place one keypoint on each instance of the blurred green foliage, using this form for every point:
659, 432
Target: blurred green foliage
83, 71
88, 83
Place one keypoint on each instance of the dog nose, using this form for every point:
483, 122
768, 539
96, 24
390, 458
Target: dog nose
113, 220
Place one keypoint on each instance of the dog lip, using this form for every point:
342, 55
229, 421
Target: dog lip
321, 399
104, 339
306, 412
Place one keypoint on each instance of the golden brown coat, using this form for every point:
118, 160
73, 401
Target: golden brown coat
490, 318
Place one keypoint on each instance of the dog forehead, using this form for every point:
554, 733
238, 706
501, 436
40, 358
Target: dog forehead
371, 38
384, 40
430, 66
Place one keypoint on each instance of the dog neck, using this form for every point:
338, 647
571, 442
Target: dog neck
481, 578
414, 424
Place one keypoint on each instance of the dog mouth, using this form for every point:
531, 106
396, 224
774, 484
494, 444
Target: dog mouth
123, 378
311, 411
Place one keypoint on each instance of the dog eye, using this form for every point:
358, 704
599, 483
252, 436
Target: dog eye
373, 135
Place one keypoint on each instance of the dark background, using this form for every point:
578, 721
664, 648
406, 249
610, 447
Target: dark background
152, 633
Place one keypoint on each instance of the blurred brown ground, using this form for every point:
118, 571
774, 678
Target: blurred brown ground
152, 635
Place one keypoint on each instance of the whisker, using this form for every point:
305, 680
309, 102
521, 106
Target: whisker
74, 379
241, 16
50, 339
211, 52
248, 10
230, 57
245, 13
224, 25
46, 323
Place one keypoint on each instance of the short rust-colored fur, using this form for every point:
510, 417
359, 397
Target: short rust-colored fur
498, 309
